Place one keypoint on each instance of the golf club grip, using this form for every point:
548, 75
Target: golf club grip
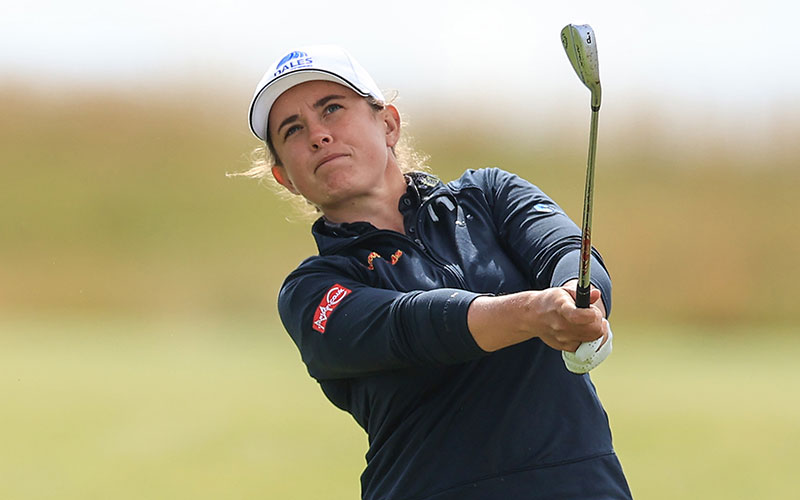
582, 297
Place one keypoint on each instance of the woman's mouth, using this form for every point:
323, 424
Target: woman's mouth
328, 158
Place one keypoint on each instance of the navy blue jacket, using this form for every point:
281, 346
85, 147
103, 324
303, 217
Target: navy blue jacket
380, 319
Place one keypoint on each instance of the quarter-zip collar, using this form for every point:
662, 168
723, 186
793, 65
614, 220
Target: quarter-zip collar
332, 236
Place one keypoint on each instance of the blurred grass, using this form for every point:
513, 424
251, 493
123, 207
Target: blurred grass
102, 408
139, 354
135, 408
704, 412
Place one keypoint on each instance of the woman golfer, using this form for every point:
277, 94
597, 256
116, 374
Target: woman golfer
435, 314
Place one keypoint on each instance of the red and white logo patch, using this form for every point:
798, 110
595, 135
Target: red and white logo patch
333, 297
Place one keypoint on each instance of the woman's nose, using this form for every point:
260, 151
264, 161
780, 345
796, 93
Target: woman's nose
320, 136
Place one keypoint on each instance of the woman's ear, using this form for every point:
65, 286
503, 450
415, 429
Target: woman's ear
391, 118
279, 173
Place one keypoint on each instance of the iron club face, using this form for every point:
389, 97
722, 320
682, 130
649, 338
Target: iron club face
581, 47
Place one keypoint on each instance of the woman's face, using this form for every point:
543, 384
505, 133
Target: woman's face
333, 146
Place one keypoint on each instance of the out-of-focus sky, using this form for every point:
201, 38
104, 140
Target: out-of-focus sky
722, 54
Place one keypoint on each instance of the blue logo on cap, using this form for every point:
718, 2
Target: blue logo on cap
293, 60
292, 55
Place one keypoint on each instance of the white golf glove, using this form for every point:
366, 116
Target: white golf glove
588, 355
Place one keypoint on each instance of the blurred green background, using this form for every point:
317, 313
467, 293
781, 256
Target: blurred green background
141, 355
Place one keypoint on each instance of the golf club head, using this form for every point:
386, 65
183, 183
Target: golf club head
581, 47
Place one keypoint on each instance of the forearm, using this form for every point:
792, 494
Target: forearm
551, 315
495, 322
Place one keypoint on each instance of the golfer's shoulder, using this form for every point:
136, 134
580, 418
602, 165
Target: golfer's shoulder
494, 184
322, 265
480, 178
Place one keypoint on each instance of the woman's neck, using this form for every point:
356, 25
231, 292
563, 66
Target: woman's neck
379, 208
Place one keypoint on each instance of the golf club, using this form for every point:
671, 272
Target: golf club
581, 47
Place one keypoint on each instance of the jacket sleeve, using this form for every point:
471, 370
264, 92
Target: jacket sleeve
344, 328
540, 237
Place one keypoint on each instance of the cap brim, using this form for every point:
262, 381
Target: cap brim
266, 97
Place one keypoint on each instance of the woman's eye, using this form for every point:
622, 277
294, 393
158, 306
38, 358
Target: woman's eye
291, 130
330, 108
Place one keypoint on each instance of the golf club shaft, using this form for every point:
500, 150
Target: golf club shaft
584, 276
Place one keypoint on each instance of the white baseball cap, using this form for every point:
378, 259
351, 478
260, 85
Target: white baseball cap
317, 62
